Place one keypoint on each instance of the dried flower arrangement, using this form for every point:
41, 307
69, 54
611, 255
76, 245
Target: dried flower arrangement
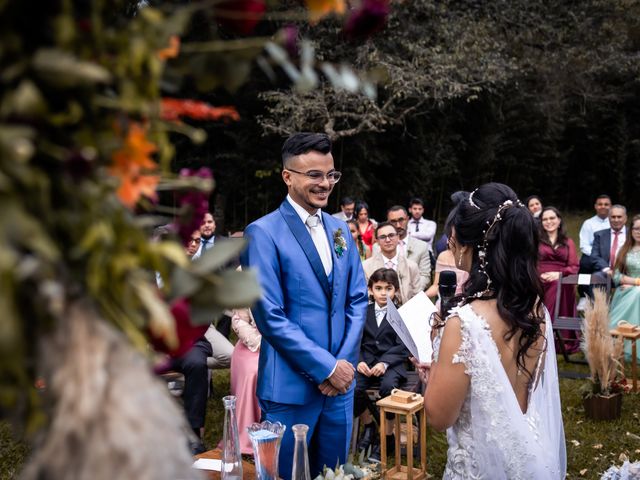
601, 350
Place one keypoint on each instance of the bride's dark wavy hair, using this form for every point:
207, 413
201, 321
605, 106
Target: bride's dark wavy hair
511, 260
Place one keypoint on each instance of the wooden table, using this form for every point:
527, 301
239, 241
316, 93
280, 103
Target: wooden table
633, 337
248, 469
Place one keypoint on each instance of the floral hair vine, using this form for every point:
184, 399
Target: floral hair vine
482, 249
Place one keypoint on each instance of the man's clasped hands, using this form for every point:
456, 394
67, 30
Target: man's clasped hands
339, 381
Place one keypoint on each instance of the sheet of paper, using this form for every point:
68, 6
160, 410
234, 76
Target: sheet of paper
584, 278
411, 323
208, 464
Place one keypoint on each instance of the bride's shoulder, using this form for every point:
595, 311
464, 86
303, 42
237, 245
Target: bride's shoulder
469, 317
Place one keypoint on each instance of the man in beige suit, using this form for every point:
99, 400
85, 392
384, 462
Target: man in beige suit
388, 256
410, 247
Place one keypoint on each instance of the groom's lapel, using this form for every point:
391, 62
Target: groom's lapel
338, 262
304, 239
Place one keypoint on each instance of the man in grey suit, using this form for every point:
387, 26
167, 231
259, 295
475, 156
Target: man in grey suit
410, 247
347, 206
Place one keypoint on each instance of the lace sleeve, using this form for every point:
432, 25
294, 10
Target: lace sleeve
463, 353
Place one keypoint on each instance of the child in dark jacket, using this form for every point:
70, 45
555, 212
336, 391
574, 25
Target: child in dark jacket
382, 354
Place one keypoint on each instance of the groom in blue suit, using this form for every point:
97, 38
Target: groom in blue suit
313, 307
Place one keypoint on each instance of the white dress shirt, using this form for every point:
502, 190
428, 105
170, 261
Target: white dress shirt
380, 313
320, 240
426, 230
589, 227
391, 262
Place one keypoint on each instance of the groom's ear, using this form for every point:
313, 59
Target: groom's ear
286, 176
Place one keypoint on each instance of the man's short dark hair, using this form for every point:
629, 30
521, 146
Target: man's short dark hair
385, 224
416, 201
604, 195
397, 208
346, 201
304, 142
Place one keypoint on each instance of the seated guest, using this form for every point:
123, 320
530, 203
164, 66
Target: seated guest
244, 374
443, 242
194, 244
389, 257
382, 356
420, 227
363, 250
365, 224
534, 205
446, 261
625, 304
208, 239
600, 221
410, 247
556, 258
607, 243
347, 206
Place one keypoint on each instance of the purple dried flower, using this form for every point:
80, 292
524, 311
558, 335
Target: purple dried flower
195, 203
369, 18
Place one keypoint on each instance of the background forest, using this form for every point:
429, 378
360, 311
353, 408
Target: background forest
540, 95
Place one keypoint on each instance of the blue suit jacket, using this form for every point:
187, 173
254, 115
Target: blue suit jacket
601, 250
306, 323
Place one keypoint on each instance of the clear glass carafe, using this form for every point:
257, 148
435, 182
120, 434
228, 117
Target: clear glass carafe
300, 469
231, 458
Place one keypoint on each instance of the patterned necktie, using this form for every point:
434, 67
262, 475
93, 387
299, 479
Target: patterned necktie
614, 249
417, 225
320, 241
389, 264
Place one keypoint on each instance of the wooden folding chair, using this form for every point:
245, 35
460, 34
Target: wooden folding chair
573, 323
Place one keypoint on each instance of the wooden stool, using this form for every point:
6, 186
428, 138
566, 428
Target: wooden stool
408, 404
631, 333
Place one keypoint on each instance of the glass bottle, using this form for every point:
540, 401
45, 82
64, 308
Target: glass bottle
300, 469
231, 458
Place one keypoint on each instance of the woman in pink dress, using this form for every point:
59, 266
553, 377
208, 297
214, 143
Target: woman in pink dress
556, 258
244, 374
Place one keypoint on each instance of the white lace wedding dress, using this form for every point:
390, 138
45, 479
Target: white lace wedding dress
492, 439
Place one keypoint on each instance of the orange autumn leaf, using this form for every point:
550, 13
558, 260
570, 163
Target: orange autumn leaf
133, 165
320, 8
172, 50
174, 108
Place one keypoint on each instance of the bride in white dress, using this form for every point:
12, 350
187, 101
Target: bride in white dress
493, 383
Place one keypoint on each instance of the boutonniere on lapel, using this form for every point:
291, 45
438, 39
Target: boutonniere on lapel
339, 243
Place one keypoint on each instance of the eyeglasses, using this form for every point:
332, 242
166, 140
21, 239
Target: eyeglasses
316, 176
390, 236
194, 240
398, 220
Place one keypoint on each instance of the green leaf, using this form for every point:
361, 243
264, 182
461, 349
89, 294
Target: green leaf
236, 289
215, 258
183, 283
172, 251
26, 100
61, 69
